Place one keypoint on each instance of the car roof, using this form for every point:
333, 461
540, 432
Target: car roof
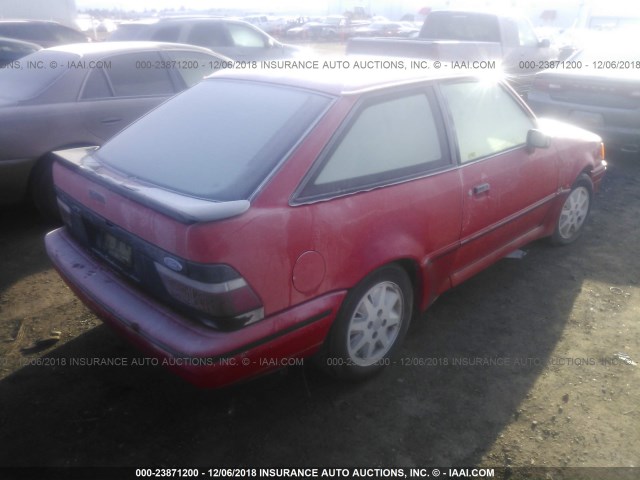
336, 82
106, 48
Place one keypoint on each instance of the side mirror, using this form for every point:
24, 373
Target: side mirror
537, 139
545, 43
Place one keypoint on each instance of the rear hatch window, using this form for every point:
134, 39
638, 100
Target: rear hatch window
217, 141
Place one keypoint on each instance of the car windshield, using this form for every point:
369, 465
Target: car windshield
31, 75
218, 140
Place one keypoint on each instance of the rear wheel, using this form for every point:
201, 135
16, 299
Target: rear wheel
371, 324
574, 213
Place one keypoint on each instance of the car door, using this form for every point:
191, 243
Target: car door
520, 44
387, 184
507, 187
121, 89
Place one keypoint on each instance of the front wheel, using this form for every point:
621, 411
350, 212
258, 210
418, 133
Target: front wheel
371, 324
574, 213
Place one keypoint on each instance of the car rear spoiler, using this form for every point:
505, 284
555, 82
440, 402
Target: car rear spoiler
181, 207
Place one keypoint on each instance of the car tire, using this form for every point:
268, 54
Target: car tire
42, 190
574, 212
370, 326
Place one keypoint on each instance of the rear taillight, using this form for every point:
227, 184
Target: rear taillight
214, 294
217, 292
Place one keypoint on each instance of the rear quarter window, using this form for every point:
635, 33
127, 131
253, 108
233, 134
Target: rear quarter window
388, 140
137, 74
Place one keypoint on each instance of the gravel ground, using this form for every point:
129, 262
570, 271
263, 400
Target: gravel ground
533, 363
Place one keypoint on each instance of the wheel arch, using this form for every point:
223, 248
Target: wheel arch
413, 271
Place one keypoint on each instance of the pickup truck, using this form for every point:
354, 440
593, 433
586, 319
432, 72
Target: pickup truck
467, 38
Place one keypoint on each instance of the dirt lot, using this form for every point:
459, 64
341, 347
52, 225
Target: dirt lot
533, 363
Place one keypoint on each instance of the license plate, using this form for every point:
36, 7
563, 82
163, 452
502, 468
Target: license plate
115, 249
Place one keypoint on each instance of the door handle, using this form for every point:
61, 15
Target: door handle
482, 188
110, 121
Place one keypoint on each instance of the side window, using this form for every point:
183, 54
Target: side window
389, 140
166, 33
527, 35
510, 33
194, 66
243, 36
487, 119
133, 75
96, 85
210, 35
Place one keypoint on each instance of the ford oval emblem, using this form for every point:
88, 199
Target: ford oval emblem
173, 264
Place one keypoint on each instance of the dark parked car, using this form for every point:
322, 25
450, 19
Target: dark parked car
261, 217
12, 50
233, 38
41, 32
598, 89
82, 94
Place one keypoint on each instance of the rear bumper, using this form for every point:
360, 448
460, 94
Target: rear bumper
203, 356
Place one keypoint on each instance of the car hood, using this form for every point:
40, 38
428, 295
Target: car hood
557, 129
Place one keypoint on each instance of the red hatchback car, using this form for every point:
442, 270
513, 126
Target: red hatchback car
261, 217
